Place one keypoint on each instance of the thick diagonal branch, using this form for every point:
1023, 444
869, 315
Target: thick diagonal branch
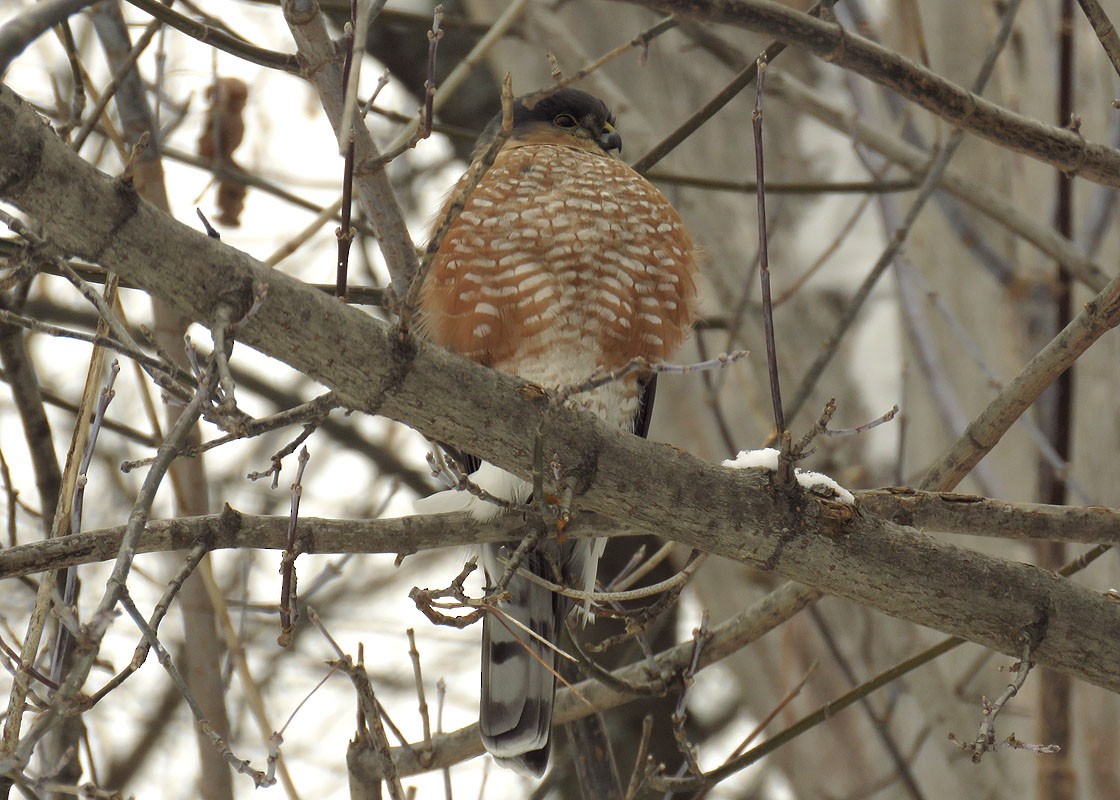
734, 513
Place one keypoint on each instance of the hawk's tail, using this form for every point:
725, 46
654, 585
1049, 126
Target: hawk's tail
518, 668
518, 681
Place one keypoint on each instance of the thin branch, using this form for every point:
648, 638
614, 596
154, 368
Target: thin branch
322, 68
465, 188
825, 712
288, 561
1097, 317
641, 365
260, 779
233, 530
356, 30
466, 66
20, 31
814, 188
422, 128
370, 708
219, 39
591, 696
1103, 27
673, 583
312, 413
78, 93
700, 637
899, 236
985, 741
972, 193
159, 611
741, 81
418, 675
1064, 149
642, 40
764, 253
87, 653
945, 512
121, 73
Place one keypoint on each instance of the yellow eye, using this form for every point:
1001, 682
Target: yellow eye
565, 121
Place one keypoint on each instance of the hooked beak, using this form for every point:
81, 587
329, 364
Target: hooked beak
610, 139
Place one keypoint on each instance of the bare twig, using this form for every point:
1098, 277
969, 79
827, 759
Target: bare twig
642, 365
120, 74
414, 654
77, 89
734, 765
886, 416
355, 41
642, 41
985, 741
642, 768
808, 187
726, 638
374, 188
1103, 27
241, 765
441, 695
467, 65
929, 185
159, 611
284, 452
1061, 148
761, 726
972, 193
741, 81
313, 412
764, 252
700, 637
157, 368
222, 331
20, 31
446, 466
674, 583
1096, 317
70, 587
370, 709
426, 600
214, 37
423, 128
288, 601
86, 654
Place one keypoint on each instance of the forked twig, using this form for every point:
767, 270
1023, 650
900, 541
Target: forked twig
985, 740
260, 778
372, 713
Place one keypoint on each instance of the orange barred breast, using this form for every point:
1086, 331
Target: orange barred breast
563, 261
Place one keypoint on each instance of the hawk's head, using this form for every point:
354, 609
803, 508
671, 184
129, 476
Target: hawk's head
569, 116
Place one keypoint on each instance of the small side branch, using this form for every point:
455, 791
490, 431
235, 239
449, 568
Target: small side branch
373, 733
764, 253
243, 766
985, 741
288, 561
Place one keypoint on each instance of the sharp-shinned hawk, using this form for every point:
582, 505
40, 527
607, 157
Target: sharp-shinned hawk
564, 262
